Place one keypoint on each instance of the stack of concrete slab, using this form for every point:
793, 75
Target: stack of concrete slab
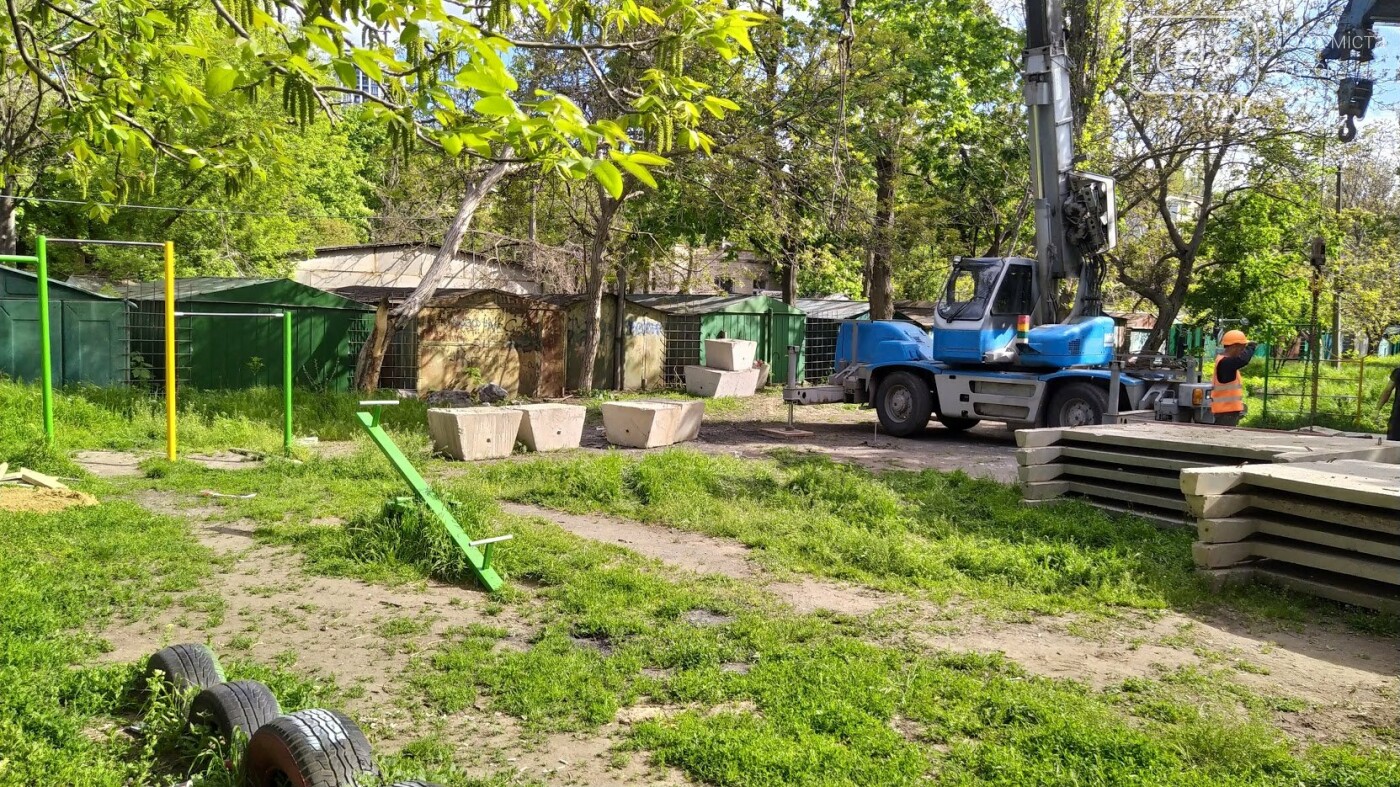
729, 370
471, 433
551, 427
1330, 529
651, 424
1137, 466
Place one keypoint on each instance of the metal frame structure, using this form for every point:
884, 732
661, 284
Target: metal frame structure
40, 259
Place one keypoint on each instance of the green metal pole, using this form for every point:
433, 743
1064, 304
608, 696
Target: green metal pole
41, 245
287, 380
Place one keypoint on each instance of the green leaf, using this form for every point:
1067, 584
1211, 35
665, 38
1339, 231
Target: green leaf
452, 144
716, 106
609, 177
219, 80
345, 72
483, 82
638, 171
366, 63
649, 159
495, 106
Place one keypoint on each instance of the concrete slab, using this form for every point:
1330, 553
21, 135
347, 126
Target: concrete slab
1225, 444
1357, 482
551, 427
641, 424
472, 433
1313, 582
785, 433
718, 384
731, 355
1231, 529
1336, 561
691, 416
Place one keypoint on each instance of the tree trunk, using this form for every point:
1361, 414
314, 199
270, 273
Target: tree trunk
619, 380
882, 238
404, 314
597, 255
9, 241
789, 248
371, 360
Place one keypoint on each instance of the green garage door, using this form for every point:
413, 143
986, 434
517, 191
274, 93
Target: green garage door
88, 341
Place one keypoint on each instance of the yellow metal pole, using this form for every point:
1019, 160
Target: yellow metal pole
170, 350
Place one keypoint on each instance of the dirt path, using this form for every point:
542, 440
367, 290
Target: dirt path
1349, 680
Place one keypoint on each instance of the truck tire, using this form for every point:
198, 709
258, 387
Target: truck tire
242, 705
1077, 404
309, 748
955, 424
904, 404
184, 665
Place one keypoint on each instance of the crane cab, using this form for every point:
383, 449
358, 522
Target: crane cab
983, 319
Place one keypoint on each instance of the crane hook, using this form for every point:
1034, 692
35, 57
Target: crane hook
1347, 132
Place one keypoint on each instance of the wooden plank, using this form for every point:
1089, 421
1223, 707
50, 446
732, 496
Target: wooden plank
1045, 490
35, 478
1027, 457
1155, 460
1221, 555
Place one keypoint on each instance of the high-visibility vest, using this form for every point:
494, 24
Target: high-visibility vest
1225, 397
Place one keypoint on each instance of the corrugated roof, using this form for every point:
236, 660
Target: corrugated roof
832, 309
187, 288
920, 312
57, 289
699, 304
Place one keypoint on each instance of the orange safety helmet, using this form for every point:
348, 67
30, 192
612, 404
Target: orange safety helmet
1234, 337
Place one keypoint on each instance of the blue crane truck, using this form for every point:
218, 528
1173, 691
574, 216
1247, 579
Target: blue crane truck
1010, 342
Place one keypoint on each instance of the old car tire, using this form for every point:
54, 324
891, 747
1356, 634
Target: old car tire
904, 404
309, 748
185, 665
243, 705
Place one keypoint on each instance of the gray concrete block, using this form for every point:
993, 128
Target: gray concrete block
471, 433
718, 384
730, 355
641, 424
551, 427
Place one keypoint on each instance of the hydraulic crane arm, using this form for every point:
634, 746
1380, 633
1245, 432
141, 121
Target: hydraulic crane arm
1355, 43
1074, 212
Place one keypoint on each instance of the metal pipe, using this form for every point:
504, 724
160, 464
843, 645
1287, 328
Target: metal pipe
90, 242
230, 314
19, 258
287, 381
170, 434
1115, 375
41, 256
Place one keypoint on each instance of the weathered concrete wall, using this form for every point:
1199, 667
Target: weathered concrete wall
513, 342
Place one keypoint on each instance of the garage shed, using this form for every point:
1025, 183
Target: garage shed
465, 338
241, 352
87, 332
690, 320
644, 343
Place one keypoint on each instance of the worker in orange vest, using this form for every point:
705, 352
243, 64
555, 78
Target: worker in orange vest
1227, 390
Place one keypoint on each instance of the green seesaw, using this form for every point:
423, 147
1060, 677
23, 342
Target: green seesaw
479, 559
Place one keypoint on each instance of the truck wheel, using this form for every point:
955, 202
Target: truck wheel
184, 665
904, 404
309, 748
1077, 404
243, 705
955, 424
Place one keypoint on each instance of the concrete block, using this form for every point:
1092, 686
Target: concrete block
470, 433
641, 424
730, 355
551, 427
691, 415
717, 383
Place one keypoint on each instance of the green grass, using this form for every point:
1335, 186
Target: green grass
817, 703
